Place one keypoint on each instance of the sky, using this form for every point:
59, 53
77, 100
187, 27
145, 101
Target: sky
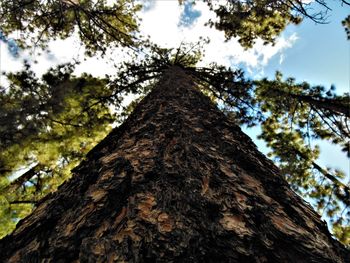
318, 54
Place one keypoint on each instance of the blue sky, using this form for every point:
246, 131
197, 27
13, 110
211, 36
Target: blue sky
322, 53
10, 44
189, 15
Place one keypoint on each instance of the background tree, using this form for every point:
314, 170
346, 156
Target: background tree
296, 116
47, 126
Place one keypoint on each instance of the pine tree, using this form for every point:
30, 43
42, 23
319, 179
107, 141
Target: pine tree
65, 115
177, 181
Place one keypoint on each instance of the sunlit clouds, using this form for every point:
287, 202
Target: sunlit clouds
168, 24
161, 22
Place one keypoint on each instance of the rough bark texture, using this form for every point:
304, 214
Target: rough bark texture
177, 182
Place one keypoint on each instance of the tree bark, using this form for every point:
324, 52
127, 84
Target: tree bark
177, 182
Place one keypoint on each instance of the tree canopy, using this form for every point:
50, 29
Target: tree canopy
97, 23
49, 122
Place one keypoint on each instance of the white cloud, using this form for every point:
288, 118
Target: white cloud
40, 61
281, 59
7, 61
60, 51
161, 24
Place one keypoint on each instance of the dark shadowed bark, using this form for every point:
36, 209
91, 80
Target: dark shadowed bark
177, 182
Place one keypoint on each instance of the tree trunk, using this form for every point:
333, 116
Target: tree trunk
177, 182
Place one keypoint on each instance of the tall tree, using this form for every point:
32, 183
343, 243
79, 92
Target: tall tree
178, 181
63, 112
242, 100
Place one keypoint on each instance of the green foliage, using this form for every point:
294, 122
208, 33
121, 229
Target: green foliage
57, 108
315, 112
10, 214
49, 125
249, 20
99, 25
